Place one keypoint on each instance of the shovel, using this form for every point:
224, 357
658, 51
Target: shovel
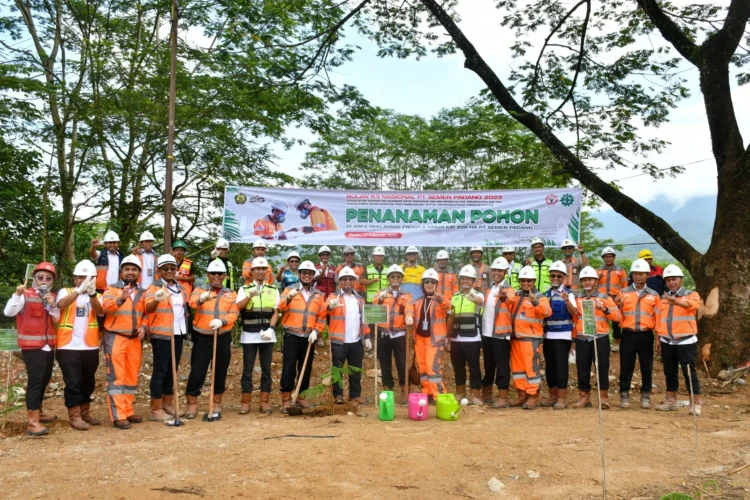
176, 422
211, 416
293, 409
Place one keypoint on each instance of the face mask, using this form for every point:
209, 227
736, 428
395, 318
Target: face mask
281, 217
304, 213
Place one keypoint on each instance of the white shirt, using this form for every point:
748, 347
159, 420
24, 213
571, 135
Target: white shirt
353, 318
113, 267
80, 323
178, 310
475, 338
254, 337
488, 316
16, 305
148, 271
562, 335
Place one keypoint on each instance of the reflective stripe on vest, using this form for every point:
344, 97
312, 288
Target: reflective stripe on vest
65, 326
466, 314
560, 320
257, 314
381, 281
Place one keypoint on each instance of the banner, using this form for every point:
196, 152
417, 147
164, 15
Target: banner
393, 218
9, 340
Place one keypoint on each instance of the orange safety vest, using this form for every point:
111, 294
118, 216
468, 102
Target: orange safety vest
161, 321
359, 270
438, 313
483, 277
527, 320
501, 324
65, 326
300, 316
322, 220
221, 305
337, 324
639, 311
612, 281
36, 328
247, 272
144, 271
264, 228
123, 319
571, 278
677, 322
602, 320
447, 284
183, 271
398, 309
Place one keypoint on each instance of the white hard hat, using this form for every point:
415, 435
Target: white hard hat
559, 266
568, 243
500, 263
348, 249
468, 271
347, 271
222, 243
85, 268
527, 273
111, 236
395, 268
299, 201
322, 249
509, 250
147, 236
430, 274
259, 262
131, 259
307, 266
216, 266
260, 244
293, 254
378, 251
280, 205
536, 240
640, 266
442, 254
608, 251
588, 272
672, 271
166, 259
476, 249
412, 249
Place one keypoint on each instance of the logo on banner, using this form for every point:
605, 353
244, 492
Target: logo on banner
551, 199
241, 199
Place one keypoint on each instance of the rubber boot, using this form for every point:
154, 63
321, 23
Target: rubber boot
286, 401
217, 404
35, 428
265, 405
487, 395
562, 400
46, 418
192, 407
604, 398
135, 419
502, 399
122, 424
624, 400
305, 404
157, 413
532, 401
86, 415
476, 399
584, 400
404, 395
460, 392
670, 402
520, 399
245, 403
551, 400
76, 422
168, 406
646, 400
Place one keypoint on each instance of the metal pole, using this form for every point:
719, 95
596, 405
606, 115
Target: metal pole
170, 134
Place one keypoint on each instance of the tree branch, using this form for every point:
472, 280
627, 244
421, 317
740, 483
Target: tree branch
724, 42
670, 31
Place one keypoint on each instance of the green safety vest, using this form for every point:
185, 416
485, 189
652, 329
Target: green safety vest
373, 288
542, 274
259, 310
466, 316
512, 275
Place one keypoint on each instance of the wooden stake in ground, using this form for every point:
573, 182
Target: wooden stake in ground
330, 368
7, 389
377, 399
601, 425
695, 427
406, 362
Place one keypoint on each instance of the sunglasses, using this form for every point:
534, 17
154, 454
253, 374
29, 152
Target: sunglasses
216, 274
556, 275
430, 282
168, 268
293, 261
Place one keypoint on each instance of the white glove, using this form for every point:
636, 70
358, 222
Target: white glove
252, 293
472, 294
409, 320
92, 288
368, 345
215, 324
205, 296
382, 295
333, 303
267, 334
293, 292
160, 295
313, 336
214, 253
84, 288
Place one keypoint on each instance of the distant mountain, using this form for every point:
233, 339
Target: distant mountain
694, 221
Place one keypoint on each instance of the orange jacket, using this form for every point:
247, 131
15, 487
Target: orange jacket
265, 228
438, 314
247, 272
612, 280
527, 320
447, 284
483, 277
220, 306
183, 271
398, 310
677, 322
124, 314
638, 312
502, 325
300, 316
602, 318
337, 324
161, 321
65, 326
322, 220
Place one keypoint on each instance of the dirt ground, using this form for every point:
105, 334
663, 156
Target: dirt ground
535, 454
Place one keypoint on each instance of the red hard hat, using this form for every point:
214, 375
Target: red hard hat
45, 266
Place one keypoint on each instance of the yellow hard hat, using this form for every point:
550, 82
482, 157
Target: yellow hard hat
645, 254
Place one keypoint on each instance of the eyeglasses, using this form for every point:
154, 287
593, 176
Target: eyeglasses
346, 278
556, 275
429, 282
168, 268
216, 274
306, 272
295, 261
349, 253
44, 278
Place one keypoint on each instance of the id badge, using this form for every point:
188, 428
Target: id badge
80, 312
150, 272
425, 325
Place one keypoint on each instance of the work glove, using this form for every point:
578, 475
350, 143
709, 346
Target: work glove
293, 292
409, 321
267, 334
205, 296
215, 324
214, 253
313, 336
333, 303
84, 288
92, 288
252, 293
472, 294
160, 295
382, 295
368, 345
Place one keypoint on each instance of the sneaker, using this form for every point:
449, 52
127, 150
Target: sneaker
615, 348
645, 402
696, 410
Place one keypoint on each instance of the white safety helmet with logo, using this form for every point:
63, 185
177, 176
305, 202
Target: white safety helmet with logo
640, 266
378, 251
476, 249
259, 262
111, 236
221, 243
673, 271
500, 263
348, 249
559, 266
568, 243
536, 241
395, 268
292, 254
216, 266
85, 268
131, 259
608, 251
527, 273
468, 272
430, 274
260, 244
412, 249
588, 272
146, 236
347, 271
442, 254
324, 249
166, 259
509, 250
307, 266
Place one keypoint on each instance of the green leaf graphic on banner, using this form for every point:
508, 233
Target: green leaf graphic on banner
231, 226
231, 189
574, 225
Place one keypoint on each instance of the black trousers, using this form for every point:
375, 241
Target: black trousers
264, 351
501, 353
684, 355
556, 362
79, 374
490, 367
585, 358
38, 370
641, 344
389, 348
161, 379
294, 356
616, 331
353, 354
467, 353
200, 361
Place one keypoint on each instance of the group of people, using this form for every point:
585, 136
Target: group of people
512, 314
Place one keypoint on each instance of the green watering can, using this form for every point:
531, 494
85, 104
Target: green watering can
386, 410
448, 407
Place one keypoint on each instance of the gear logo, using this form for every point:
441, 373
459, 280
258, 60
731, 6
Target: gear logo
567, 199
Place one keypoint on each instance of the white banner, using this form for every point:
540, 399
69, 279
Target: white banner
393, 218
